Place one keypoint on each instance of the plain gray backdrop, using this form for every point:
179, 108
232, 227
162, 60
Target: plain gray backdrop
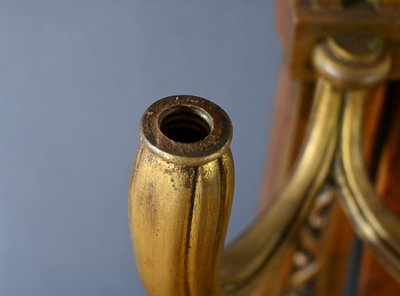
75, 78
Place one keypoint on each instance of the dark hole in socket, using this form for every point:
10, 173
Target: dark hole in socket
185, 125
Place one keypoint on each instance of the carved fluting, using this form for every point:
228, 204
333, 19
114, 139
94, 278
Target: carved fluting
306, 258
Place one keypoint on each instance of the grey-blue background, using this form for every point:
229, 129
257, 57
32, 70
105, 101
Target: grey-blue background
75, 77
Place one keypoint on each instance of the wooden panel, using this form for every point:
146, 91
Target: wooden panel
335, 254
389, 2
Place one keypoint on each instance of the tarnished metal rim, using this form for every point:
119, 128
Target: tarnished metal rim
196, 153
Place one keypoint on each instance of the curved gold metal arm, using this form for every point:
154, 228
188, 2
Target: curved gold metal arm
374, 222
182, 183
267, 239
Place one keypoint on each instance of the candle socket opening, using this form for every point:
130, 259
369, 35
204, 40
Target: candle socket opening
185, 124
186, 130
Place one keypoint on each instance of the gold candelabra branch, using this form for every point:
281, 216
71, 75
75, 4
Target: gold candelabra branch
182, 183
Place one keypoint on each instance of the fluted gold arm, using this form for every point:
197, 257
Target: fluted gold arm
182, 183
181, 195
